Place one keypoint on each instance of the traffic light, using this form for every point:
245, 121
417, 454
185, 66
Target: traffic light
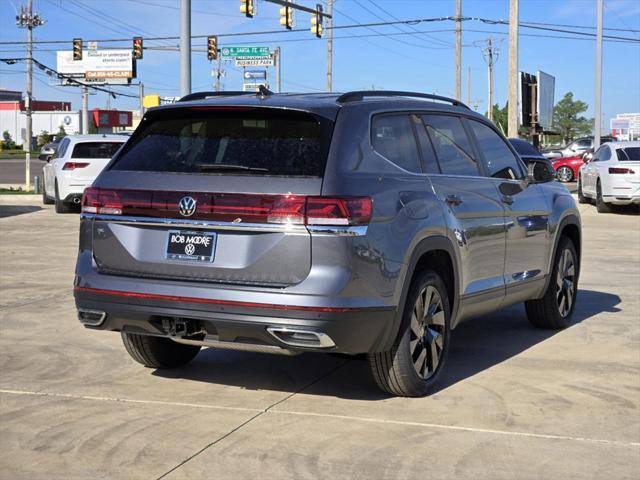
137, 48
212, 48
77, 49
246, 7
286, 17
316, 21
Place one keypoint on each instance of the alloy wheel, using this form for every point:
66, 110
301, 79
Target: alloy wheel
565, 282
427, 335
565, 174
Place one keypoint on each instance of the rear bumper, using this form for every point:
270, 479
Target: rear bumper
351, 329
622, 199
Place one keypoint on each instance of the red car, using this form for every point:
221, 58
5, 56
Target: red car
567, 168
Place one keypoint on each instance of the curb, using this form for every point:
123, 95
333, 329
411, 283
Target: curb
15, 199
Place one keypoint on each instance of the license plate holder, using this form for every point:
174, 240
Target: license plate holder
191, 246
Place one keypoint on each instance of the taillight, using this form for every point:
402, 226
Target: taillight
232, 207
338, 210
74, 165
621, 170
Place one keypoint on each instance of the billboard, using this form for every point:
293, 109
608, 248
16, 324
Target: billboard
545, 99
102, 66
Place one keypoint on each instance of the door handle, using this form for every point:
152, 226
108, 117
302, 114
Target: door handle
508, 199
453, 200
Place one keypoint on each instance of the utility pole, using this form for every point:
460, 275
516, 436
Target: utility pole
490, 53
26, 19
185, 47
458, 50
598, 106
468, 84
85, 110
512, 123
330, 46
278, 55
218, 72
141, 98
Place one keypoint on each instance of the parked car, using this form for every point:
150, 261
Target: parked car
532, 156
612, 176
74, 166
575, 148
48, 150
366, 222
567, 168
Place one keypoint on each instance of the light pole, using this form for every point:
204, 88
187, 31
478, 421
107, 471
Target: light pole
185, 47
26, 19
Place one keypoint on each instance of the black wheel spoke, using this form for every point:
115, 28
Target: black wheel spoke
426, 341
565, 286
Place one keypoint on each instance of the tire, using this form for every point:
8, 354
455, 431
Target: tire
62, 207
426, 341
158, 352
45, 198
564, 174
554, 309
581, 197
601, 206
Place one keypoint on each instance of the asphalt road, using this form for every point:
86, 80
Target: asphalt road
12, 170
514, 402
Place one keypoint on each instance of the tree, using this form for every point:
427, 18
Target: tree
567, 120
7, 141
44, 138
501, 117
61, 132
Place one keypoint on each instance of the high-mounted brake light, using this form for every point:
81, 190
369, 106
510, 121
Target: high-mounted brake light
621, 170
232, 207
74, 165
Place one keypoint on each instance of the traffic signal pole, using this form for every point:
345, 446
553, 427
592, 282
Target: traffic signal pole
330, 46
185, 47
85, 110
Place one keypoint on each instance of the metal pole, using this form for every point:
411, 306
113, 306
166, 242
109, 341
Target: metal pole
218, 72
279, 69
141, 95
490, 72
27, 106
330, 46
185, 47
513, 69
458, 50
598, 106
469, 85
85, 110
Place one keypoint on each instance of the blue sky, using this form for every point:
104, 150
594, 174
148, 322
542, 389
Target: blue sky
416, 61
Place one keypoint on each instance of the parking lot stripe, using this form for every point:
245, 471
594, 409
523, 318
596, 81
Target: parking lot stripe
270, 410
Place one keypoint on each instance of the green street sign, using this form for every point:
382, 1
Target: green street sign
245, 51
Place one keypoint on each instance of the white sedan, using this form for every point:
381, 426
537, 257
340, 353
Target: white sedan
75, 165
612, 176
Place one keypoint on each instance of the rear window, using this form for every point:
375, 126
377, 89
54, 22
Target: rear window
628, 153
230, 141
95, 149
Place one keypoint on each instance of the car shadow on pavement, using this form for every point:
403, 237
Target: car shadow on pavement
13, 210
476, 345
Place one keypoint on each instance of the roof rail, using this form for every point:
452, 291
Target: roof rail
203, 95
359, 95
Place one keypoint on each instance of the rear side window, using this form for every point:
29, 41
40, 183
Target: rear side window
392, 137
629, 153
95, 149
235, 141
451, 145
499, 159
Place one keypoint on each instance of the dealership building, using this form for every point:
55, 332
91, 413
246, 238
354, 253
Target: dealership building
46, 115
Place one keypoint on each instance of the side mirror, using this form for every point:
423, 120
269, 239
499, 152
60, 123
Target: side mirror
587, 157
539, 172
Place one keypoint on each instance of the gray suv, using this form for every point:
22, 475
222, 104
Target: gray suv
361, 223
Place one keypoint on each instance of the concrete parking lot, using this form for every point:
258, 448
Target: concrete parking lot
515, 402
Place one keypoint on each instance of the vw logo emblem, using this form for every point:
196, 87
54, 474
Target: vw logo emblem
187, 206
189, 249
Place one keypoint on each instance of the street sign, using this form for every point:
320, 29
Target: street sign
245, 51
254, 62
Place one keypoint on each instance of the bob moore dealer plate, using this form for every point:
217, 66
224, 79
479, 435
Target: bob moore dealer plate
191, 246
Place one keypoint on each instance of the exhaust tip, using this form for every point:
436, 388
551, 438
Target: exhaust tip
301, 338
91, 318
76, 200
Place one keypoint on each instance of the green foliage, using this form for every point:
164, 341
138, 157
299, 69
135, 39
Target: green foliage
61, 132
7, 141
501, 117
44, 138
567, 120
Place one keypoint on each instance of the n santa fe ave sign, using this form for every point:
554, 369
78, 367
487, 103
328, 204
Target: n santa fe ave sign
249, 56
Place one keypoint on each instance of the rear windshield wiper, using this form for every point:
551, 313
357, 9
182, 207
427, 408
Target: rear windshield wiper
205, 167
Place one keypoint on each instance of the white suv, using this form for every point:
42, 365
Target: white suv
75, 165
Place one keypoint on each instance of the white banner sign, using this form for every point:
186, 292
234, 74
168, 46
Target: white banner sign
254, 62
99, 64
